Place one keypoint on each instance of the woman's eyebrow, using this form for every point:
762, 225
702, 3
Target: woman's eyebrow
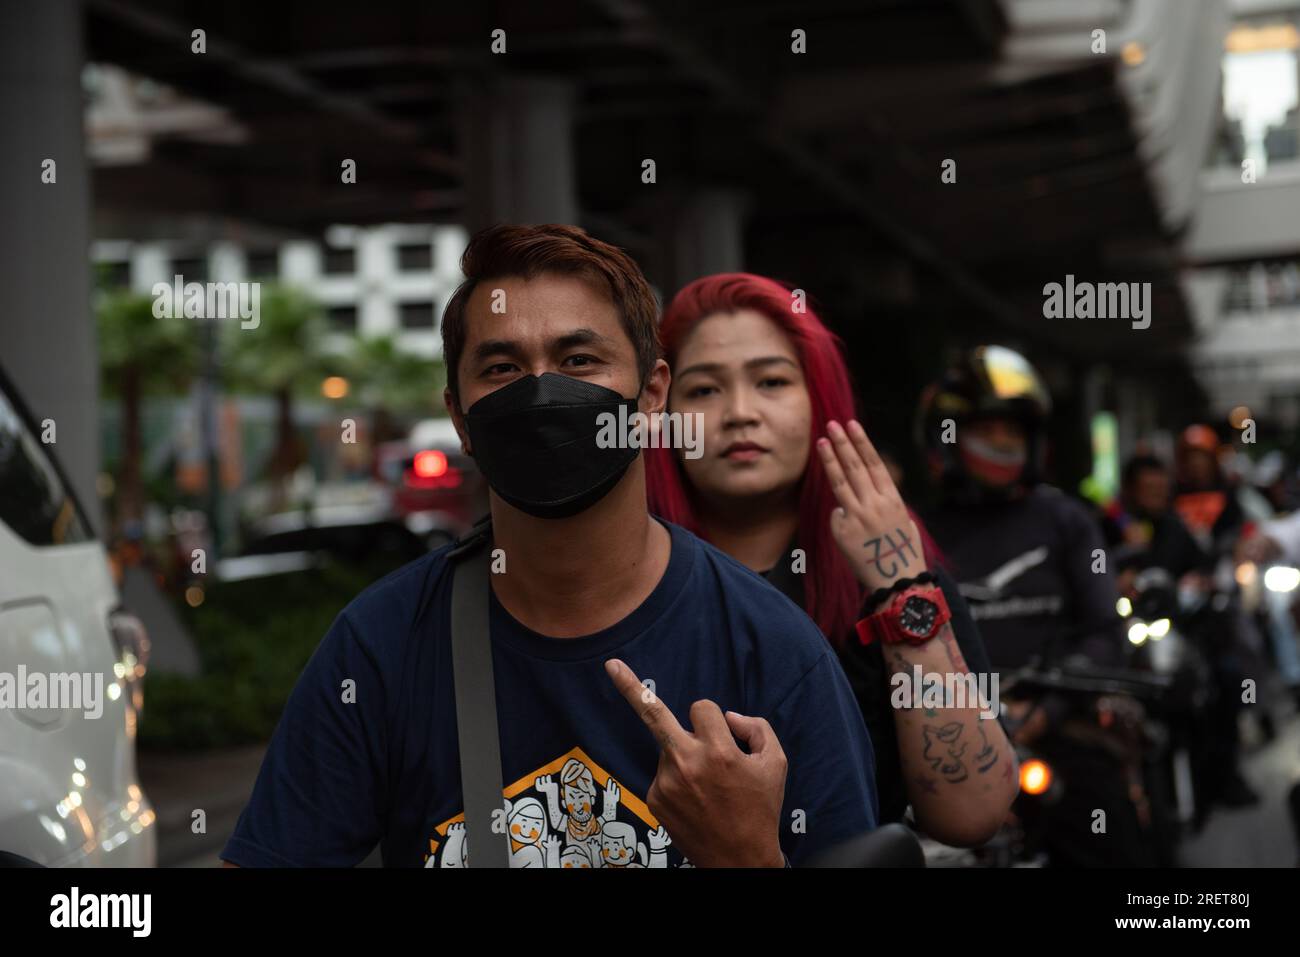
699, 367
715, 367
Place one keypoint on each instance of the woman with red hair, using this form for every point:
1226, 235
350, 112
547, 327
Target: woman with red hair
787, 482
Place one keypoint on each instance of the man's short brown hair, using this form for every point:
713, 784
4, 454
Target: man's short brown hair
503, 251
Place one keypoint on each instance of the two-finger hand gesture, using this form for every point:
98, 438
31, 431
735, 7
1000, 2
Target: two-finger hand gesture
871, 526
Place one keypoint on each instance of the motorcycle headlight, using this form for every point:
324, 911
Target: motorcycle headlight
1158, 628
1035, 777
1282, 578
1138, 632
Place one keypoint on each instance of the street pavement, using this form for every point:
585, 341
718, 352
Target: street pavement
1263, 835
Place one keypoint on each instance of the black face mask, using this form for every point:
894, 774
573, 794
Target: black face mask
535, 441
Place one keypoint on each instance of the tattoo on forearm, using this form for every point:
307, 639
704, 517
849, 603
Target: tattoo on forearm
944, 749
987, 756
894, 558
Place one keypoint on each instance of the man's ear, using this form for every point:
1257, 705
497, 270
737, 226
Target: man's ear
457, 419
654, 393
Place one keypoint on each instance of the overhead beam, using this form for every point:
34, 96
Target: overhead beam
633, 14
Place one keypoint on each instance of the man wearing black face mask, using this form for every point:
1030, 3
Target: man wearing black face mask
657, 703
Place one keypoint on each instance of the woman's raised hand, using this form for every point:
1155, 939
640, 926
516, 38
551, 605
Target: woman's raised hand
872, 525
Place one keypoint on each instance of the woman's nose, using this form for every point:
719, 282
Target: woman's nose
739, 408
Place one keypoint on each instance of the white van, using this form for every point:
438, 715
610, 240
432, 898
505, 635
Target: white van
71, 664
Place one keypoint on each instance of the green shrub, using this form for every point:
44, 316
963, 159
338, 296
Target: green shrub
254, 638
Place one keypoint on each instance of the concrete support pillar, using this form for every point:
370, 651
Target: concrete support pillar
517, 145
709, 235
47, 333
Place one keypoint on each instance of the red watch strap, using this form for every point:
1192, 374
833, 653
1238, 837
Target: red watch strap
878, 624
865, 635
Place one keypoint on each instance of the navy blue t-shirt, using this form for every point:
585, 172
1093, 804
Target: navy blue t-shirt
340, 778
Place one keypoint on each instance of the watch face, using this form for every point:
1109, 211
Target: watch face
918, 616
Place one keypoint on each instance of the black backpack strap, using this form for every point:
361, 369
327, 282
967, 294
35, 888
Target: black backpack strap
479, 533
476, 699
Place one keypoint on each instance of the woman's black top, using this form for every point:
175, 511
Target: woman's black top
865, 667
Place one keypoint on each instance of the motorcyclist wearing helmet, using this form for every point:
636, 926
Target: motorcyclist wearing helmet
1204, 500
1029, 558
1031, 564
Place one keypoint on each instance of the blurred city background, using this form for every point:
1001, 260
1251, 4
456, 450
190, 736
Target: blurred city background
310, 455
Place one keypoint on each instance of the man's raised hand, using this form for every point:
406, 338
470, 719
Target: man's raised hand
721, 805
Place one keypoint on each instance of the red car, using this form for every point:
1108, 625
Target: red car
438, 491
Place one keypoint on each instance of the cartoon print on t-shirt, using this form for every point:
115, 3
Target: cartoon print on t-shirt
526, 822
456, 849
620, 848
552, 823
577, 820
576, 857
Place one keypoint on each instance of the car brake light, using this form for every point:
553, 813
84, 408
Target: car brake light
430, 463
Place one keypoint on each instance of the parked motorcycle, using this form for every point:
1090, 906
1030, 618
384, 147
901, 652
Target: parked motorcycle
1111, 739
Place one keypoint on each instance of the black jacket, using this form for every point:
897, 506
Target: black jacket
1032, 571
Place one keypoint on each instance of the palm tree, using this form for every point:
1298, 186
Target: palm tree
392, 382
282, 356
140, 354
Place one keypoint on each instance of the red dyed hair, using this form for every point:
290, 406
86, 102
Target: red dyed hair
832, 594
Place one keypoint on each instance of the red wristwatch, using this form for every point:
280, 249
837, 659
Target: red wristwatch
914, 616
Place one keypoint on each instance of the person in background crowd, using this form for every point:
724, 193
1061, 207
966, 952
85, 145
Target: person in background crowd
1203, 498
1208, 504
1023, 551
1143, 529
1026, 558
1277, 542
